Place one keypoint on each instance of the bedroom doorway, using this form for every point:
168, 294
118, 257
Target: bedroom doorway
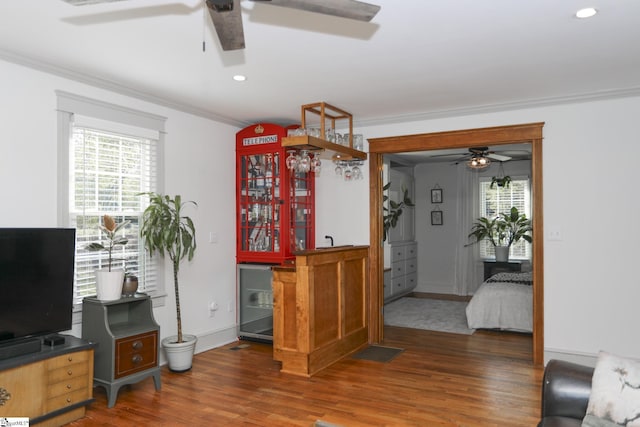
515, 134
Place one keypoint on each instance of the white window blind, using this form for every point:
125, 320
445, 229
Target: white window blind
108, 171
494, 201
108, 155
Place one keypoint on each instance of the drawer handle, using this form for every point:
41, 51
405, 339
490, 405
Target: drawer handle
4, 396
70, 359
136, 359
137, 345
68, 386
69, 372
68, 400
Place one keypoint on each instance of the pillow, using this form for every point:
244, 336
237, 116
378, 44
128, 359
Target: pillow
615, 393
512, 277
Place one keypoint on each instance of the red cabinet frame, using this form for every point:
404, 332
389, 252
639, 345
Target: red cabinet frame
275, 208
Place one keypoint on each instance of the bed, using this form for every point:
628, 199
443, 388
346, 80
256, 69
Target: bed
504, 301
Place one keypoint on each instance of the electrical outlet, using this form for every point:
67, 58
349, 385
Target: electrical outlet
213, 306
230, 307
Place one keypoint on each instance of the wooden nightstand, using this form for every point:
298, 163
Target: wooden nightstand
128, 341
493, 267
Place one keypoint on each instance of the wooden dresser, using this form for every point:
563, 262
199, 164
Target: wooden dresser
51, 387
319, 308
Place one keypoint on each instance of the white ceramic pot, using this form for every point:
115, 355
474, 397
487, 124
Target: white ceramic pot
502, 253
179, 355
109, 284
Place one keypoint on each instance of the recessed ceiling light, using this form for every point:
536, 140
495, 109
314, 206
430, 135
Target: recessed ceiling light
239, 78
587, 12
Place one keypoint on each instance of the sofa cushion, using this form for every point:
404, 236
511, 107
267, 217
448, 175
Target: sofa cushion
615, 392
559, 422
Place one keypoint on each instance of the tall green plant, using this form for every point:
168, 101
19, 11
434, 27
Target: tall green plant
166, 231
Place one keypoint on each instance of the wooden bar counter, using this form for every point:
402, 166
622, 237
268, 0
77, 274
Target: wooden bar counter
320, 308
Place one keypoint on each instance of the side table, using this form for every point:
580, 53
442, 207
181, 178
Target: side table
128, 341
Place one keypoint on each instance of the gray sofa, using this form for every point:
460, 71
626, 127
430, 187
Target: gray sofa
565, 394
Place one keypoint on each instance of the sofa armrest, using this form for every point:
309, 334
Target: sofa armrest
566, 388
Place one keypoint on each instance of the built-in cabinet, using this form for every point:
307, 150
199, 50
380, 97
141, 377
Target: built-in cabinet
402, 278
401, 249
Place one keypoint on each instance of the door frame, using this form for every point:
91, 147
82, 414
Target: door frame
500, 135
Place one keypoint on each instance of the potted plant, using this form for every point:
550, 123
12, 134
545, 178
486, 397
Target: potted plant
108, 280
501, 180
392, 213
502, 231
166, 231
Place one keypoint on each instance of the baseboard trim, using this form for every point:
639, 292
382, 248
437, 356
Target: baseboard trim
580, 358
211, 340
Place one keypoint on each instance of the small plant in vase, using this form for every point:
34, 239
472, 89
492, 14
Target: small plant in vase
108, 280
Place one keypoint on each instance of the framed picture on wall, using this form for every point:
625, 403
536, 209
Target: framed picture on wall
436, 217
436, 195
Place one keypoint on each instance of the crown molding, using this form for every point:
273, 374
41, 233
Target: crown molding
498, 107
429, 115
114, 87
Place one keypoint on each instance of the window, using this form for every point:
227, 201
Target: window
500, 200
108, 164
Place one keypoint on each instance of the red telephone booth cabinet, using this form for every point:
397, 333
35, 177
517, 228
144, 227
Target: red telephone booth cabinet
275, 207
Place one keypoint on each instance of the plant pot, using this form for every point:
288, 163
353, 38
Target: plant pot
130, 286
109, 284
502, 253
179, 355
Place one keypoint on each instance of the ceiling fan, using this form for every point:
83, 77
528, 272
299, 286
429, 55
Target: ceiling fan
227, 17
477, 157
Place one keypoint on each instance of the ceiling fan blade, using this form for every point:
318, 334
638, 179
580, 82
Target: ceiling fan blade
85, 2
498, 157
228, 24
351, 9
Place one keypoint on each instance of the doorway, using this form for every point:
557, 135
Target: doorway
515, 134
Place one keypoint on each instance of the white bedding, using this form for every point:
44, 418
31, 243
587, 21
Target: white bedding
502, 305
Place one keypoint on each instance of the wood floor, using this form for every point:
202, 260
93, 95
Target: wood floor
440, 379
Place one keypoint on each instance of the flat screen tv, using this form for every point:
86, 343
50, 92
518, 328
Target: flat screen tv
36, 282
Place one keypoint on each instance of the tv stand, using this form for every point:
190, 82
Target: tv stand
20, 348
52, 385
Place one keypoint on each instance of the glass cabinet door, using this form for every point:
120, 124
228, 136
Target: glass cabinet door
301, 217
260, 202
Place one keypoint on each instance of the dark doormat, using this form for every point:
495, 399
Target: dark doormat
378, 353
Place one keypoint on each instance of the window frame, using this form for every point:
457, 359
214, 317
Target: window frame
118, 120
486, 250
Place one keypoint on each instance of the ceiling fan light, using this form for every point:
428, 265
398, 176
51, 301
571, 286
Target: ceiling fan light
478, 162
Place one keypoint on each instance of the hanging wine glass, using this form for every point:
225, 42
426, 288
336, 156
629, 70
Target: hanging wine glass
304, 165
357, 173
315, 163
348, 174
338, 169
292, 161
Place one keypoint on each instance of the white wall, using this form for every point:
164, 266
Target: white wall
200, 166
590, 158
590, 153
